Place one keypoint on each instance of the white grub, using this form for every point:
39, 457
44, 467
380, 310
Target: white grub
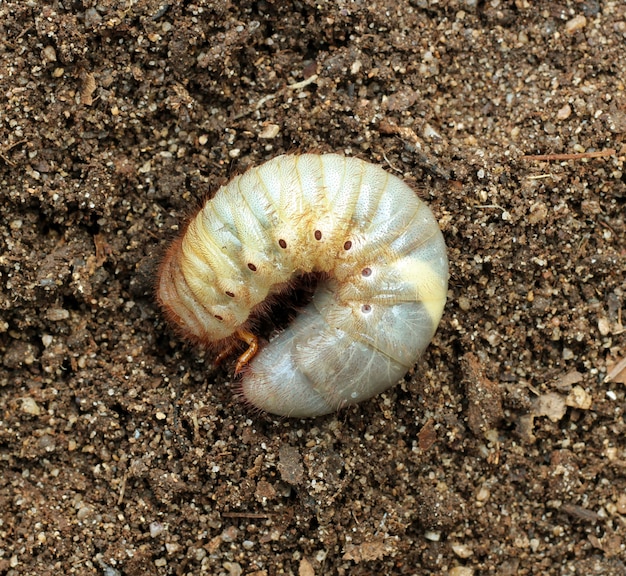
375, 243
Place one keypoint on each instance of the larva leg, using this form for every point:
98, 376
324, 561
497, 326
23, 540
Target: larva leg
225, 353
253, 346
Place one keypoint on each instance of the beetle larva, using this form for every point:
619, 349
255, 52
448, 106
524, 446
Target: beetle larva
377, 245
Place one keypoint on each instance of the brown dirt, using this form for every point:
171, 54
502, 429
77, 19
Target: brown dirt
123, 452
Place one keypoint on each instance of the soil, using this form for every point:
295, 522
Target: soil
124, 451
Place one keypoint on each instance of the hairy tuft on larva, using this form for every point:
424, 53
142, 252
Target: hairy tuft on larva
376, 243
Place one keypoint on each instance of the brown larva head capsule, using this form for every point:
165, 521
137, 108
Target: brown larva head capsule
362, 331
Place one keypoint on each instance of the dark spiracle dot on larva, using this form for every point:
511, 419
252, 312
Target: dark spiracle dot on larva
282, 244
366, 308
318, 234
366, 272
347, 245
230, 294
251, 266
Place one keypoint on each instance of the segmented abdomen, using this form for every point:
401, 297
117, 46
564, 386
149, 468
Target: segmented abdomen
379, 245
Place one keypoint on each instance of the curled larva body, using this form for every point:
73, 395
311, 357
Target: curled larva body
378, 246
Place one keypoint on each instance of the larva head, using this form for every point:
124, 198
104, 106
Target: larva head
181, 306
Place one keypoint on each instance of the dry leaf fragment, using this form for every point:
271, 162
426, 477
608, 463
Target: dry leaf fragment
87, 89
484, 411
617, 373
366, 551
551, 405
566, 381
290, 465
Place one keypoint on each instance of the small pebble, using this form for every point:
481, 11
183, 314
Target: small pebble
621, 504
575, 24
604, 327
564, 112
49, 54
483, 494
156, 528
57, 314
92, 17
83, 512
461, 571
229, 534
233, 568
579, 398
464, 303
462, 551
270, 131
29, 406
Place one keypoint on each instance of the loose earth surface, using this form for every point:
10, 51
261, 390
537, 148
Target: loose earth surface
124, 451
